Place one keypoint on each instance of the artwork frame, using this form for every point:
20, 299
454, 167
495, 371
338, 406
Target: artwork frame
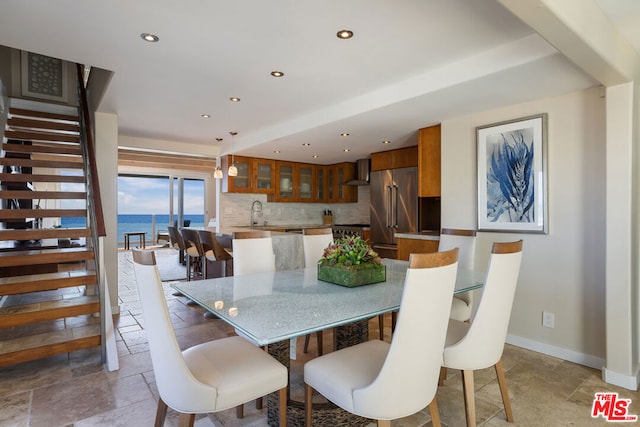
44, 77
512, 175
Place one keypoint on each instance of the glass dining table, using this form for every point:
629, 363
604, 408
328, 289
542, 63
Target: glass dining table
272, 308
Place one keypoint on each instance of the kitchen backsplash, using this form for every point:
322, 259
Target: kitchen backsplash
235, 210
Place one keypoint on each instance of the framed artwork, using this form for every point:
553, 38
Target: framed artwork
512, 181
44, 77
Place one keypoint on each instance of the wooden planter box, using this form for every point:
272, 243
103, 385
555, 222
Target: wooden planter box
352, 276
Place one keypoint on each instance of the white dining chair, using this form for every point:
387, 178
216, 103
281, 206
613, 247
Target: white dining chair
386, 381
209, 377
465, 241
253, 252
479, 345
314, 242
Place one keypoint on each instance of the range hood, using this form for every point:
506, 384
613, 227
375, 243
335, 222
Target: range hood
362, 173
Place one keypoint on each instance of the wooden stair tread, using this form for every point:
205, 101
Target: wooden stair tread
48, 344
33, 113
44, 233
42, 195
20, 177
30, 123
46, 281
44, 256
26, 314
31, 163
24, 135
66, 149
40, 213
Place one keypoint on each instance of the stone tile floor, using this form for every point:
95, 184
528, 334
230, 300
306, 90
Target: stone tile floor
75, 389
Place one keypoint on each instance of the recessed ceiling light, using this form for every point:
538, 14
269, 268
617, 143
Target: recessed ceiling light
305, 144
346, 150
386, 142
205, 116
234, 99
277, 73
276, 151
344, 34
152, 38
344, 134
219, 139
315, 156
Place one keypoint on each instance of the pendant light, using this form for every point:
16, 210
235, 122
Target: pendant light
217, 174
233, 170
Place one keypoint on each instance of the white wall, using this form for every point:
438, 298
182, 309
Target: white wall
564, 271
106, 142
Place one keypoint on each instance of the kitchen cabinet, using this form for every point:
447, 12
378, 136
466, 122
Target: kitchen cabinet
337, 175
415, 246
295, 182
429, 161
254, 175
394, 159
320, 189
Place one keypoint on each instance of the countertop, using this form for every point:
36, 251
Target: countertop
273, 227
421, 235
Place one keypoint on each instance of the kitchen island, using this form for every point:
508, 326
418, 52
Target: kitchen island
287, 243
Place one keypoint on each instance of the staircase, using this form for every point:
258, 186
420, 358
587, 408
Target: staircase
49, 302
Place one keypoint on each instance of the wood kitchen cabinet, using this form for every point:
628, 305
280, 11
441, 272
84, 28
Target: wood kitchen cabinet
393, 159
254, 175
321, 193
415, 246
337, 175
429, 161
294, 182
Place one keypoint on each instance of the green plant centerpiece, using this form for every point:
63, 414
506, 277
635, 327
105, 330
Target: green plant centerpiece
350, 261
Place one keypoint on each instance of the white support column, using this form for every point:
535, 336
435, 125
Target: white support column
621, 224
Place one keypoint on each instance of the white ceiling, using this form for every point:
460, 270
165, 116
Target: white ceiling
411, 64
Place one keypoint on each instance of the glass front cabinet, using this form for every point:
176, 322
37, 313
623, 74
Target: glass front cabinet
254, 175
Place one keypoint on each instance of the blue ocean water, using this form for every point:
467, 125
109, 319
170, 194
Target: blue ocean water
138, 222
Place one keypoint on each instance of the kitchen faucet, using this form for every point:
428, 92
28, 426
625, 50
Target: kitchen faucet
256, 208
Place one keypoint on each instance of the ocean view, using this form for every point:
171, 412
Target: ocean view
139, 222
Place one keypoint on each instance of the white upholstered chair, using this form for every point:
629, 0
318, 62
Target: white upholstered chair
465, 241
209, 377
479, 345
314, 242
385, 381
253, 252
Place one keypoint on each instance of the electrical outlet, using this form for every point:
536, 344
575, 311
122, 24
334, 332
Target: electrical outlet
548, 319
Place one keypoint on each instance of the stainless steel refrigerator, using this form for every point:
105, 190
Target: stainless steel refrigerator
394, 207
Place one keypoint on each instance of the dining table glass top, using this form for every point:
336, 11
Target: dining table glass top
276, 306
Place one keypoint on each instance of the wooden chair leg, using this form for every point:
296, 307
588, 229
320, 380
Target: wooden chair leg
306, 343
161, 413
320, 343
381, 327
443, 376
394, 320
308, 404
469, 398
282, 397
384, 423
502, 382
435, 414
240, 411
186, 420
259, 403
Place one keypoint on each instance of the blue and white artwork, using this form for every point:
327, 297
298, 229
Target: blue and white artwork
510, 185
512, 176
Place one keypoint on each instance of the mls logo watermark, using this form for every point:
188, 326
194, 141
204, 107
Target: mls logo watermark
611, 408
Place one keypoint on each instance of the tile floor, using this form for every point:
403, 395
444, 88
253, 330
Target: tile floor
75, 389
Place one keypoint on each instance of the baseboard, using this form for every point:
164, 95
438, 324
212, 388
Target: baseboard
559, 352
629, 382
